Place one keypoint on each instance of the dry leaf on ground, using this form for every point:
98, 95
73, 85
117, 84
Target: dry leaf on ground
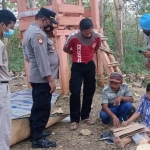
137, 94
85, 132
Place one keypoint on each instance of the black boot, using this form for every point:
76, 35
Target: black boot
44, 134
42, 143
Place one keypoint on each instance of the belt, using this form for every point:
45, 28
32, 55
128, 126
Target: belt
4, 82
83, 62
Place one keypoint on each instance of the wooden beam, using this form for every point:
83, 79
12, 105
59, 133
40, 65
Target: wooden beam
87, 13
69, 20
65, 8
21, 4
106, 50
33, 11
95, 13
68, 32
79, 2
99, 69
104, 38
23, 25
106, 61
63, 32
111, 57
13, 1
64, 67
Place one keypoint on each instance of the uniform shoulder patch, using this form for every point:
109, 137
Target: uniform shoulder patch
40, 38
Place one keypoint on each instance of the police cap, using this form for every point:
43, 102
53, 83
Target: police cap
48, 14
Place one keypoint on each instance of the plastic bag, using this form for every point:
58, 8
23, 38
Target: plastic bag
140, 138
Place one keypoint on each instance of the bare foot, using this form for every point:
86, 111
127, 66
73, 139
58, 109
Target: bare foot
118, 142
89, 121
73, 126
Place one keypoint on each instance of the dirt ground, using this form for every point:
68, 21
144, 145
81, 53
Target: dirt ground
72, 140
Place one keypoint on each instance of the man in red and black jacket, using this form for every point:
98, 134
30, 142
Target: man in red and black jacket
82, 45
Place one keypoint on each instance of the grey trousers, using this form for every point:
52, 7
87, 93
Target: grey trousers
5, 117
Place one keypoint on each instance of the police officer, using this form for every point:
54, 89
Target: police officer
43, 69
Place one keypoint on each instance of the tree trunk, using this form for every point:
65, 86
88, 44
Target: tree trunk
119, 14
33, 4
3, 4
49, 2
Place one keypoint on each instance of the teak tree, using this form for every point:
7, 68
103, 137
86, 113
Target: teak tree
119, 14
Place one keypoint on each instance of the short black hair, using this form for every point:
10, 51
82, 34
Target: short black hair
7, 16
148, 88
85, 24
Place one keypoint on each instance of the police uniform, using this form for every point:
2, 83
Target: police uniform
43, 62
5, 104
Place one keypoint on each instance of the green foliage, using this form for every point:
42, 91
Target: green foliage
133, 61
15, 53
132, 36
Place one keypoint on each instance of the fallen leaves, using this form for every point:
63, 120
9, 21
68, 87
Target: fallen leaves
137, 94
85, 132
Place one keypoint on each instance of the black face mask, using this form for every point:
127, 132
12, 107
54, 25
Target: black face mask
48, 28
147, 33
87, 37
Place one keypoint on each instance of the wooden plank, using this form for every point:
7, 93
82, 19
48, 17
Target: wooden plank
21, 4
65, 8
63, 32
133, 124
24, 25
64, 68
95, 13
99, 69
33, 11
66, 32
106, 61
111, 57
130, 130
79, 2
113, 65
104, 38
87, 13
106, 50
69, 20
13, 1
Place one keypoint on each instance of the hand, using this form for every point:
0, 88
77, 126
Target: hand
117, 101
146, 54
148, 133
116, 121
124, 123
147, 65
53, 86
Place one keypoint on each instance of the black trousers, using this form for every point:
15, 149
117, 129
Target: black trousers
81, 73
40, 111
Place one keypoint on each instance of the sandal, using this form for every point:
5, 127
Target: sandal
106, 135
73, 126
89, 121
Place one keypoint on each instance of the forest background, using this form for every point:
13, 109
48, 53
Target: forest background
120, 20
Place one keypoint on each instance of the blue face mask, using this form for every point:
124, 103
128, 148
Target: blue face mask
8, 34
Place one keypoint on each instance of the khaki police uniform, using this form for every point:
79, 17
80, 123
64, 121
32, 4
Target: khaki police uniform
43, 61
5, 104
